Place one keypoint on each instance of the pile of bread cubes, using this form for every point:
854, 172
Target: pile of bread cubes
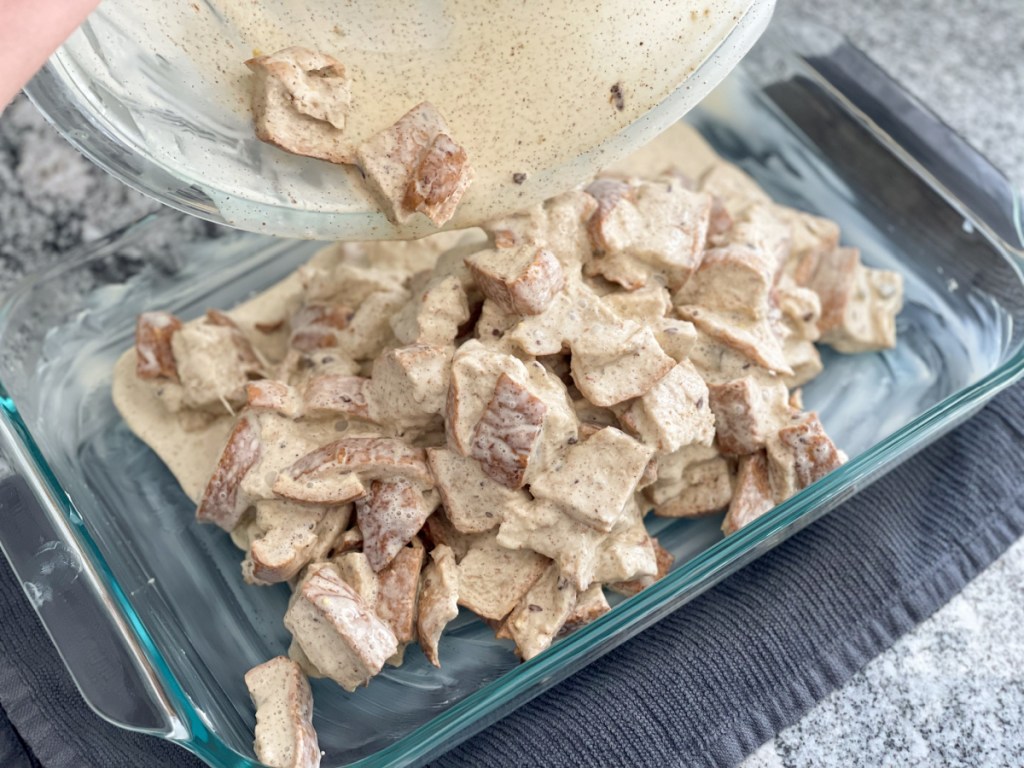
484, 418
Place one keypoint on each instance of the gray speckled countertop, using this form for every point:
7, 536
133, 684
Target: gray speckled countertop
949, 693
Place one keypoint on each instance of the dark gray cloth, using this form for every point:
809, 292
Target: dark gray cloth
705, 686
14, 753
43, 720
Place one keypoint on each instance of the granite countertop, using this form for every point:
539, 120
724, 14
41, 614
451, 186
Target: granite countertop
951, 691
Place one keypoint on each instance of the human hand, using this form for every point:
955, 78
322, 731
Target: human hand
30, 30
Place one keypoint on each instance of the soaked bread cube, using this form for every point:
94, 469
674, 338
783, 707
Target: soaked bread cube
416, 166
300, 100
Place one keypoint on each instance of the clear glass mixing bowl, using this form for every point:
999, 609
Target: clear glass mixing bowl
127, 94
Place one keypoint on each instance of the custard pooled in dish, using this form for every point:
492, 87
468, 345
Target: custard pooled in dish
483, 419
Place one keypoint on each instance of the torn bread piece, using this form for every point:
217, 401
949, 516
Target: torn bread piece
664, 560
494, 322
558, 224
800, 309
811, 238
674, 413
317, 326
276, 396
706, 488
753, 496
409, 384
323, 396
576, 312
545, 528
437, 185
338, 633
215, 360
716, 362
300, 101
591, 604
627, 552
335, 473
154, 358
755, 340
439, 595
618, 363
858, 305
474, 502
285, 536
474, 375
676, 337
693, 482
541, 613
415, 166
391, 594
369, 331
799, 316
398, 590
748, 411
729, 298
492, 579
644, 305
650, 475
608, 193
439, 530
645, 230
801, 454
593, 480
284, 715
348, 541
561, 425
434, 315
354, 569
221, 502
337, 395
312, 487
283, 441
296, 654
507, 432
521, 281
760, 229
390, 515
734, 280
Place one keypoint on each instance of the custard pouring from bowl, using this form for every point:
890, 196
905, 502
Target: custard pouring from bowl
541, 97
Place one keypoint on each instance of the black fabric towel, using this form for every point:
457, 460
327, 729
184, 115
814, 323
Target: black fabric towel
705, 686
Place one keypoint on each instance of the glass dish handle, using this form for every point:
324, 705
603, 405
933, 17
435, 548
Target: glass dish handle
966, 176
107, 664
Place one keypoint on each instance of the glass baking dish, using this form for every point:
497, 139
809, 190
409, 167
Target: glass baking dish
148, 608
